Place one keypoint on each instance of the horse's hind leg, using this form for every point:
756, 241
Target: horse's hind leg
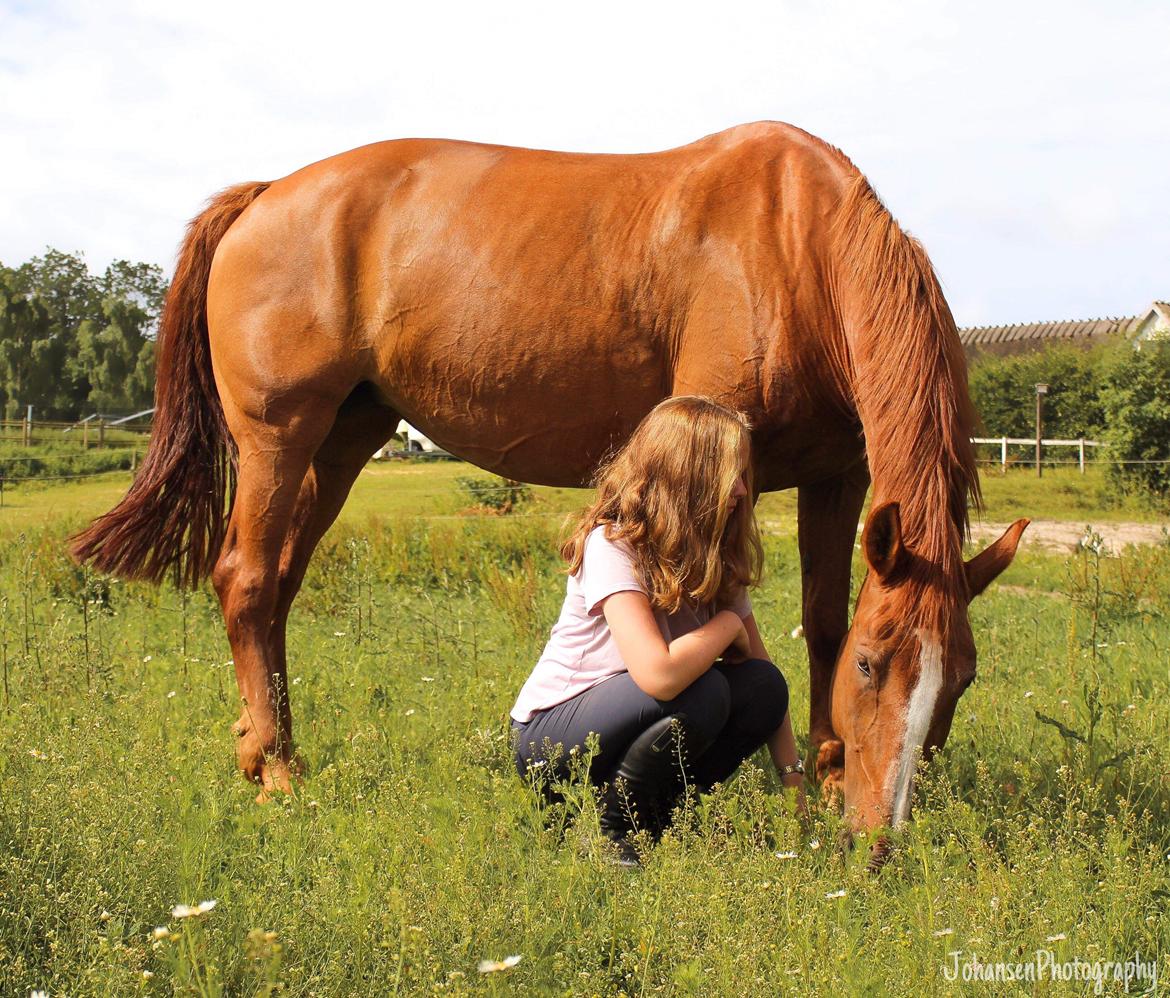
362, 426
273, 459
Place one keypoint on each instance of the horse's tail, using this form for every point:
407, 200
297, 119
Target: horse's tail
174, 517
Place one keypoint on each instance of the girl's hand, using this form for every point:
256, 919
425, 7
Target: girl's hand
741, 645
795, 782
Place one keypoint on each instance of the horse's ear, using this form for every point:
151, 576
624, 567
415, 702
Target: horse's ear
881, 541
985, 567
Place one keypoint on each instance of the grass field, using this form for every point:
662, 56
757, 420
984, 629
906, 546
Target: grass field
412, 850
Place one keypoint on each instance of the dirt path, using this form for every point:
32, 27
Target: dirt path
1062, 535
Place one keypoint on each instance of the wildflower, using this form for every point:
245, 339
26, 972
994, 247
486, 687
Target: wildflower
797, 632
491, 966
786, 855
339, 634
146, 658
105, 916
147, 975
38, 994
193, 911
409, 712
814, 844
1059, 937
160, 932
1028, 694
170, 695
38, 755
835, 894
939, 933
427, 679
297, 681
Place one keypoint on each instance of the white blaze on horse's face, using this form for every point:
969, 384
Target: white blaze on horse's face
908, 657
919, 716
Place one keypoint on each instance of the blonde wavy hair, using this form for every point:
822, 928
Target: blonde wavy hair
666, 493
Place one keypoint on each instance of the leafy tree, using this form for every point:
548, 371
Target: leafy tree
116, 358
30, 356
1137, 410
143, 284
1004, 391
77, 343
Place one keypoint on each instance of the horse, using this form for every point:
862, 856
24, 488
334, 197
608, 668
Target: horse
525, 308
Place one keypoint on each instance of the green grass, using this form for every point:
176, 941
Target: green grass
412, 850
1061, 494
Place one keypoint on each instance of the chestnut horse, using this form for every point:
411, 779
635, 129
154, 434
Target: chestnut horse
525, 309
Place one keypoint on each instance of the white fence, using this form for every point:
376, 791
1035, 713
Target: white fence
1003, 442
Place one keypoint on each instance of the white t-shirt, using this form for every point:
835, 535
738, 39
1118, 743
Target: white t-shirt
581, 651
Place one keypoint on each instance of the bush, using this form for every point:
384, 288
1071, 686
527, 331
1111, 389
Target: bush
503, 495
1004, 391
64, 462
1136, 405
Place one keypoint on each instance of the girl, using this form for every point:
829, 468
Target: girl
656, 649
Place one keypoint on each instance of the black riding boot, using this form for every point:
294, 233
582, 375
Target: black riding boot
646, 784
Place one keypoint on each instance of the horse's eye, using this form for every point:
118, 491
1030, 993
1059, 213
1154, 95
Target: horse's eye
863, 666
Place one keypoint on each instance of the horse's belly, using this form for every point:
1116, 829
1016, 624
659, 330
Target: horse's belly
543, 406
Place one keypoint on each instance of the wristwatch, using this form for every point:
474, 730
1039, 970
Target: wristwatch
793, 767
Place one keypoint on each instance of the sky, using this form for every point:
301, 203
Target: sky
1026, 144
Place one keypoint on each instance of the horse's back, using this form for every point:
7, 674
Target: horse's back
479, 287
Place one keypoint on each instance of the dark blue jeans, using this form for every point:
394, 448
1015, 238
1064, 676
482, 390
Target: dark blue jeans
731, 710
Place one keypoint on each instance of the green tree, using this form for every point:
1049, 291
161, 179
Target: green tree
1004, 391
1137, 411
92, 346
30, 356
115, 357
142, 284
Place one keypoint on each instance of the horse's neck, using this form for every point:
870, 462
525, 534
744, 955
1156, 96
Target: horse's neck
918, 446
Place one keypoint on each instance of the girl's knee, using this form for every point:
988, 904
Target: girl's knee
768, 702
706, 704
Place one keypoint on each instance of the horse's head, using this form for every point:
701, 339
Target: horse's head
901, 671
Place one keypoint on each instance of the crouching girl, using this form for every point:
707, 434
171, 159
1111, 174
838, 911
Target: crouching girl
656, 649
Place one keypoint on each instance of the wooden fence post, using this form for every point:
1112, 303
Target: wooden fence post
1003, 454
101, 433
1081, 445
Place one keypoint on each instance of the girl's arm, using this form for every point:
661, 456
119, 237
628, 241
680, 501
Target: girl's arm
782, 744
663, 671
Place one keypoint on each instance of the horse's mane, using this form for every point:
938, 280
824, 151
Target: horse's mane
908, 378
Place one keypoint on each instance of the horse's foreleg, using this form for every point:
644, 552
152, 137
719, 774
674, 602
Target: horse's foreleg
828, 514
272, 467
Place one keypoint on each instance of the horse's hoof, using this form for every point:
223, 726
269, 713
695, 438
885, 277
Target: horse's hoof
879, 854
266, 767
831, 771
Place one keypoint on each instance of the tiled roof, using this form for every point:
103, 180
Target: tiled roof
1068, 330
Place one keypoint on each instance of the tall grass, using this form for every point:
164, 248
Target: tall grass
412, 851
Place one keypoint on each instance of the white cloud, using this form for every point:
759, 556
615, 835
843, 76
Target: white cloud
1026, 144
